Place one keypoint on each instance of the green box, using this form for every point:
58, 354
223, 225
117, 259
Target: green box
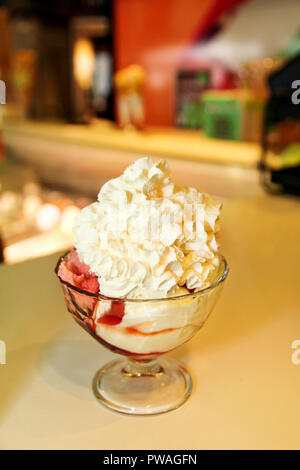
222, 117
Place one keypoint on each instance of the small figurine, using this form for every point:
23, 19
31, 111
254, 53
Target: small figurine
129, 91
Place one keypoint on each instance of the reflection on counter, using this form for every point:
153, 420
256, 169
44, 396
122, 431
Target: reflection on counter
36, 221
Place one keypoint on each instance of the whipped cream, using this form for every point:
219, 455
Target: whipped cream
147, 237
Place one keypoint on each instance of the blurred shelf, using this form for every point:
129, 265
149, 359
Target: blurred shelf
173, 143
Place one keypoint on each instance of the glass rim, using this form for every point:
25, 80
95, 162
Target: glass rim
212, 286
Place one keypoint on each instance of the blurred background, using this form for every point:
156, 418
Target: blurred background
89, 85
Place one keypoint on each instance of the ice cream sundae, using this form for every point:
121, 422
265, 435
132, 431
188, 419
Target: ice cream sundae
145, 270
144, 238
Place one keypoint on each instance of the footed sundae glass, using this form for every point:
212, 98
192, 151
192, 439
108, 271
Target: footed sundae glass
143, 382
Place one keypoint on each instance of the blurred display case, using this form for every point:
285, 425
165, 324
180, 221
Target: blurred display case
280, 164
62, 59
35, 220
91, 73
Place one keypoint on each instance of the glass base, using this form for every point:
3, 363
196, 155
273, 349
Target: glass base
142, 388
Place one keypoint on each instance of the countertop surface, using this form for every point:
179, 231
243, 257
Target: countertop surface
55, 152
169, 142
247, 388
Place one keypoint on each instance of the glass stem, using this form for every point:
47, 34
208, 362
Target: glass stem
144, 368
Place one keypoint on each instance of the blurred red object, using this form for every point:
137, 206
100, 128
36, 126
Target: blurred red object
156, 35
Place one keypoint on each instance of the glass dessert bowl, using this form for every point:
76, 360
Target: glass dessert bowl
142, 330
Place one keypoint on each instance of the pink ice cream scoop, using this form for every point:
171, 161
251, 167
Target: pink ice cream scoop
78, 274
